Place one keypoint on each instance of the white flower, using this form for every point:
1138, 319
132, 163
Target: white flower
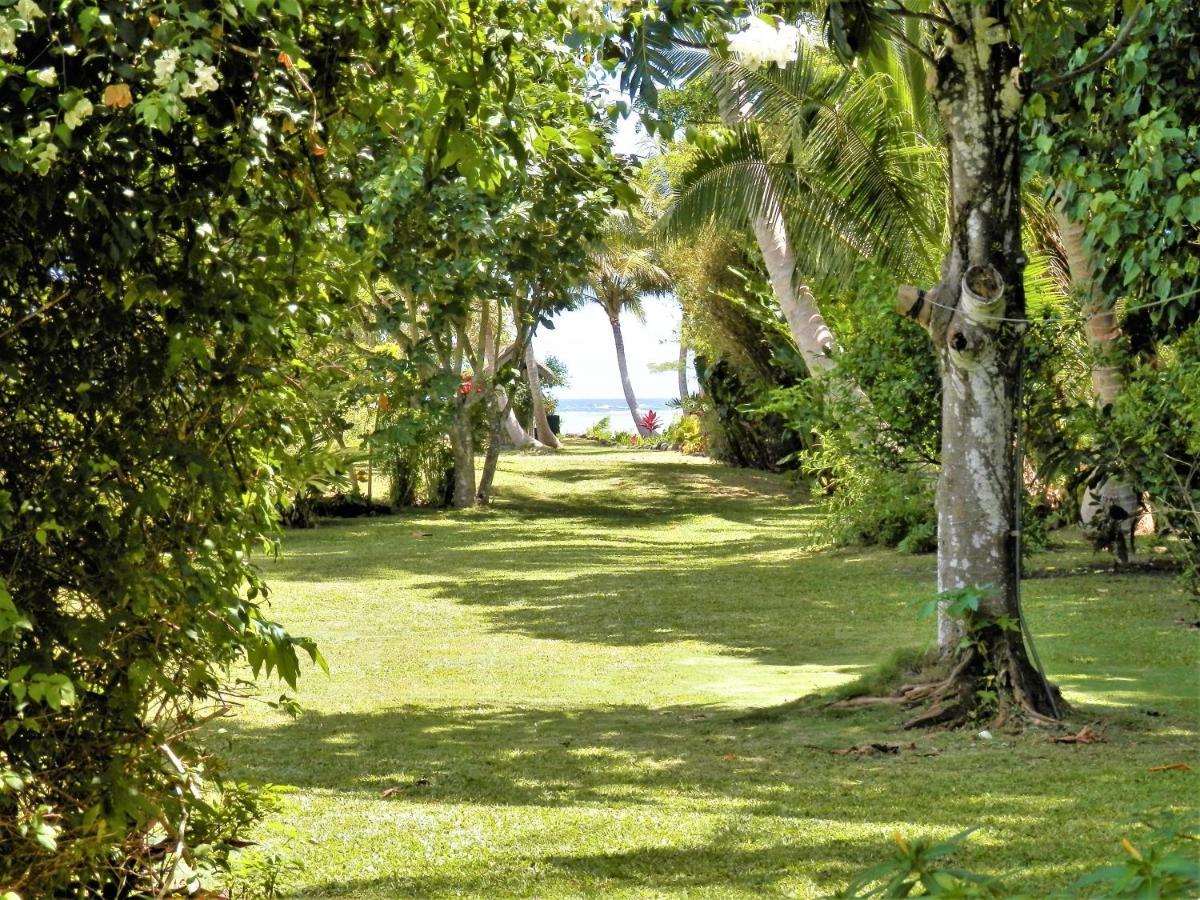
28, 10
588, 14
164, 67
206, 80
8, 39
46, 76
758, 43
77, 113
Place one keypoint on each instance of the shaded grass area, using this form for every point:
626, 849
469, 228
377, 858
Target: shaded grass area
590, 689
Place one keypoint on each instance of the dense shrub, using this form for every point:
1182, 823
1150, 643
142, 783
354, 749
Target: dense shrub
686, 434
164, 279
1152, 433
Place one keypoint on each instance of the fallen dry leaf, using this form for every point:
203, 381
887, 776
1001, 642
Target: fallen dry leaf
1172, 767
1086, 735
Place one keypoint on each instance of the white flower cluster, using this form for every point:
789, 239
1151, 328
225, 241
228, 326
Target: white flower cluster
205, 81
164, 67
205, 75
27, 11
76, 114
588, 14
757, 43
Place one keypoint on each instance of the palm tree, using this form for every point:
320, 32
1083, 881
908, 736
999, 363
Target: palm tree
623, 271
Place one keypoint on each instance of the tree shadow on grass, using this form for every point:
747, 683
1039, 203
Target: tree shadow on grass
834, 811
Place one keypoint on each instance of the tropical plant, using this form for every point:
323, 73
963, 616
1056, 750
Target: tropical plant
169, 278
649, 423
600, 431
623, 271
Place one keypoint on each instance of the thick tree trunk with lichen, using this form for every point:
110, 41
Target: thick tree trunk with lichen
1109, 512
540, 421
978, 499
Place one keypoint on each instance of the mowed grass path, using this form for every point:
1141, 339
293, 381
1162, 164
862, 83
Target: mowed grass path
583, 691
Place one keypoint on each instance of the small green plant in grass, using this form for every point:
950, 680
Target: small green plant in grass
600, 431
917, 869
1167, 864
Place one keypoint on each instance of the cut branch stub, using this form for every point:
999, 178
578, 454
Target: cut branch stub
966, 341
916, 304
982, 295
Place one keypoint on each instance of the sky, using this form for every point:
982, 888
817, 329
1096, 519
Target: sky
582, 338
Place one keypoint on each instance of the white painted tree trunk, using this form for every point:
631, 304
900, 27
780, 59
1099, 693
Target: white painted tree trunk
540, 422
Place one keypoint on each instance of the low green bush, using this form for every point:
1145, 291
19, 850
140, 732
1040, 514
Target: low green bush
600, 431
1162, 864
686, 434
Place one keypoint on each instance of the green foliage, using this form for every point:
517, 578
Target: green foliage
686, 434
167, 289
1153, 432
1119, 145
1165, 865
918, 869
600, 431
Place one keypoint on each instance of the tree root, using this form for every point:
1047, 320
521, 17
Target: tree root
954, 700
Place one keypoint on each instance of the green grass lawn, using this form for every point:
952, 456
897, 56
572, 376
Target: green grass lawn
585, 689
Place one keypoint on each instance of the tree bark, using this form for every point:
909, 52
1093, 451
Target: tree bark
626, 385
683, 378
977, 90
541, 423
1108, 513
491, 459
462, 443
799, 306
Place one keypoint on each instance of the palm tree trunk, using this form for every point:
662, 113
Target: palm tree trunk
807, 325
799, 306
1109, 511
683, 379
626, 385
540, 422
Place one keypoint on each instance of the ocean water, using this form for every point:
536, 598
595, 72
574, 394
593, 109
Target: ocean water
580, 415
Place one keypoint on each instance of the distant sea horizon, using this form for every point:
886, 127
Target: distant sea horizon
580, 414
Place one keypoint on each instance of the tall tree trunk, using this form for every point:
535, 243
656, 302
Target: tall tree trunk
491, 459
799, 306
683, 361
540, 422
462, 443
626, 385
979, 489
1109, 513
